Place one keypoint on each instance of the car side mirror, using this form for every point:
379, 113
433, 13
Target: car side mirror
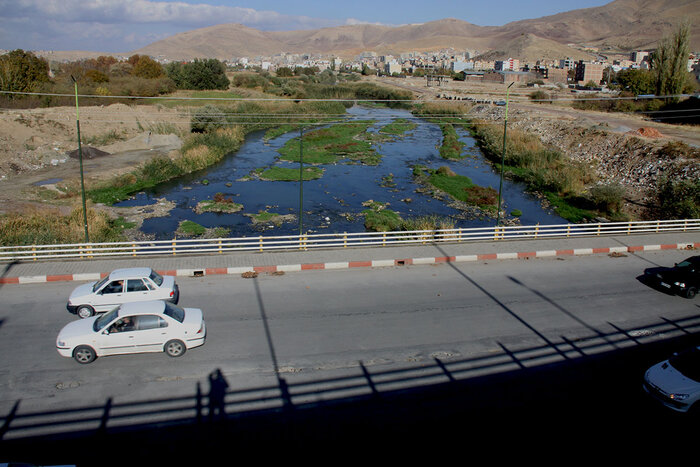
105, 332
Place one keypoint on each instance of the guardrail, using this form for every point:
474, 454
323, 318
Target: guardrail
338, 240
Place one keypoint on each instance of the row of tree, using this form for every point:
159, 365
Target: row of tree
24, 72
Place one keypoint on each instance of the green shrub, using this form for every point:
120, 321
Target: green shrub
676, 199
607, 198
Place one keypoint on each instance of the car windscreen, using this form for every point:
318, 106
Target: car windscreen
100, 283
175, 312
688, 363
104, 320
156, 278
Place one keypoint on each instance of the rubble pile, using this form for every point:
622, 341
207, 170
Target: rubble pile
635, 159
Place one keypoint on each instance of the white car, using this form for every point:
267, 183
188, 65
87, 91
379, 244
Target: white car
122, 286
676, 381
155, 326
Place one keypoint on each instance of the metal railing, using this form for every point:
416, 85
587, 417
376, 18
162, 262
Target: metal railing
338, 240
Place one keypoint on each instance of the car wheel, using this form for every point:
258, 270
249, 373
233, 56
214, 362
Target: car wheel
85, 311
84, 354
691, 292
175, 348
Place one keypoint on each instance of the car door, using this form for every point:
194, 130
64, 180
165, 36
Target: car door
120, 337
110, 296
136, 290
152, 333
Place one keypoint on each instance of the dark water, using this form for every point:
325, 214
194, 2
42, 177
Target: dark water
333, 202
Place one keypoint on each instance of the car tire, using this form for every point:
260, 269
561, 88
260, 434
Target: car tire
84, 354
175, 348
85, 311
691, 292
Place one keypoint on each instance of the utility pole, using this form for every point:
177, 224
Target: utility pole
301, 179
503, 159
80, 157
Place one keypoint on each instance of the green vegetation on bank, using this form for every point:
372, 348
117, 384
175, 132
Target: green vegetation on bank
328, 145
285, 174
198, 152
398, 127
220, 203
542, 169
49, 227
458, 187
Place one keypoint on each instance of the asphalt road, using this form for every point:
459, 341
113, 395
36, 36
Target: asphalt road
373, 325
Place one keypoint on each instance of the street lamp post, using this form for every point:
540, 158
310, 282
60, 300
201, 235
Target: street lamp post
503, 160
80, 157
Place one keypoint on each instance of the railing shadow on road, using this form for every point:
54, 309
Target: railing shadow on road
553, 388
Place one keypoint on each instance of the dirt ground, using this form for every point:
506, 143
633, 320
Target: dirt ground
34, 144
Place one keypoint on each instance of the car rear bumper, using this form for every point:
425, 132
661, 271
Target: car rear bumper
72, 308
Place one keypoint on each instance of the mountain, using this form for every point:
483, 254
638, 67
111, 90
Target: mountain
619, 25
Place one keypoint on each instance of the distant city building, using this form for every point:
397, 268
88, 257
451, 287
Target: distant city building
507, 77
512, 64
589, 71
392, 67
567, 63
459, 66
638, 56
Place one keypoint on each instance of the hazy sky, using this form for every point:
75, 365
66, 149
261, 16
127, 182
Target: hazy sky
126, 25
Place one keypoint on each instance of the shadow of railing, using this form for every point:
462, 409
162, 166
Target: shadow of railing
324, 408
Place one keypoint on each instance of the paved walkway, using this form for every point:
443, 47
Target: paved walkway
341, 258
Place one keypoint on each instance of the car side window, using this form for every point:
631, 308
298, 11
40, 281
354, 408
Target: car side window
135, 285
125, 324
113, 287
146, 322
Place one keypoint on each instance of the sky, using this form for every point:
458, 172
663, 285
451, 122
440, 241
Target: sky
120, 26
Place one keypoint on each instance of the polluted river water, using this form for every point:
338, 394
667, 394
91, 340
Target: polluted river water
333, 203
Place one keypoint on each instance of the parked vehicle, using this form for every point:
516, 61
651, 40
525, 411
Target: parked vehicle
676, 381
137, 327
122, 286
682, 279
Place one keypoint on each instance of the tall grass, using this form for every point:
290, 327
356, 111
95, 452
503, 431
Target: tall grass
542, 169
49, 226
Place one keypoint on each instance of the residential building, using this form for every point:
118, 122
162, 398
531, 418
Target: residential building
589, 71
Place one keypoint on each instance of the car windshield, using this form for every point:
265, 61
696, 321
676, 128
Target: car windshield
104, 320
688, 363
156, 278
100, 283
684, 264
175, 312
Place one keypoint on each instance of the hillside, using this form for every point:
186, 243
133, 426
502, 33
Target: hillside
619, 25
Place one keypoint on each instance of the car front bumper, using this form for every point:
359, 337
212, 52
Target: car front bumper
65, 351
72, 308
661, 396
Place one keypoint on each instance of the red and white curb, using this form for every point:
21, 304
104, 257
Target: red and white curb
195, 272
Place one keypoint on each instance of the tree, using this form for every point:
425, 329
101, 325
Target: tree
146, 67
284, 72
22, 71
200, 74
636, 81
670, 61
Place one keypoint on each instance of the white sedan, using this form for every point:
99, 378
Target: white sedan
676, 381
154, 326
122, 286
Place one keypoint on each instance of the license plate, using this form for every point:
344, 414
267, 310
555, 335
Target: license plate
668, 286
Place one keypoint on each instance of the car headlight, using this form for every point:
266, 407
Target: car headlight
680, 284
60, 343
678, 397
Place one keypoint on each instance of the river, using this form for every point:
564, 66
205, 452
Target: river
333, 203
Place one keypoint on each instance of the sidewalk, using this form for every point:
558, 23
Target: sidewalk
342, 258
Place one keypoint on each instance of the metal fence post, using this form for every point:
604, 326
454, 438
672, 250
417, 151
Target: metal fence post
174, 245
